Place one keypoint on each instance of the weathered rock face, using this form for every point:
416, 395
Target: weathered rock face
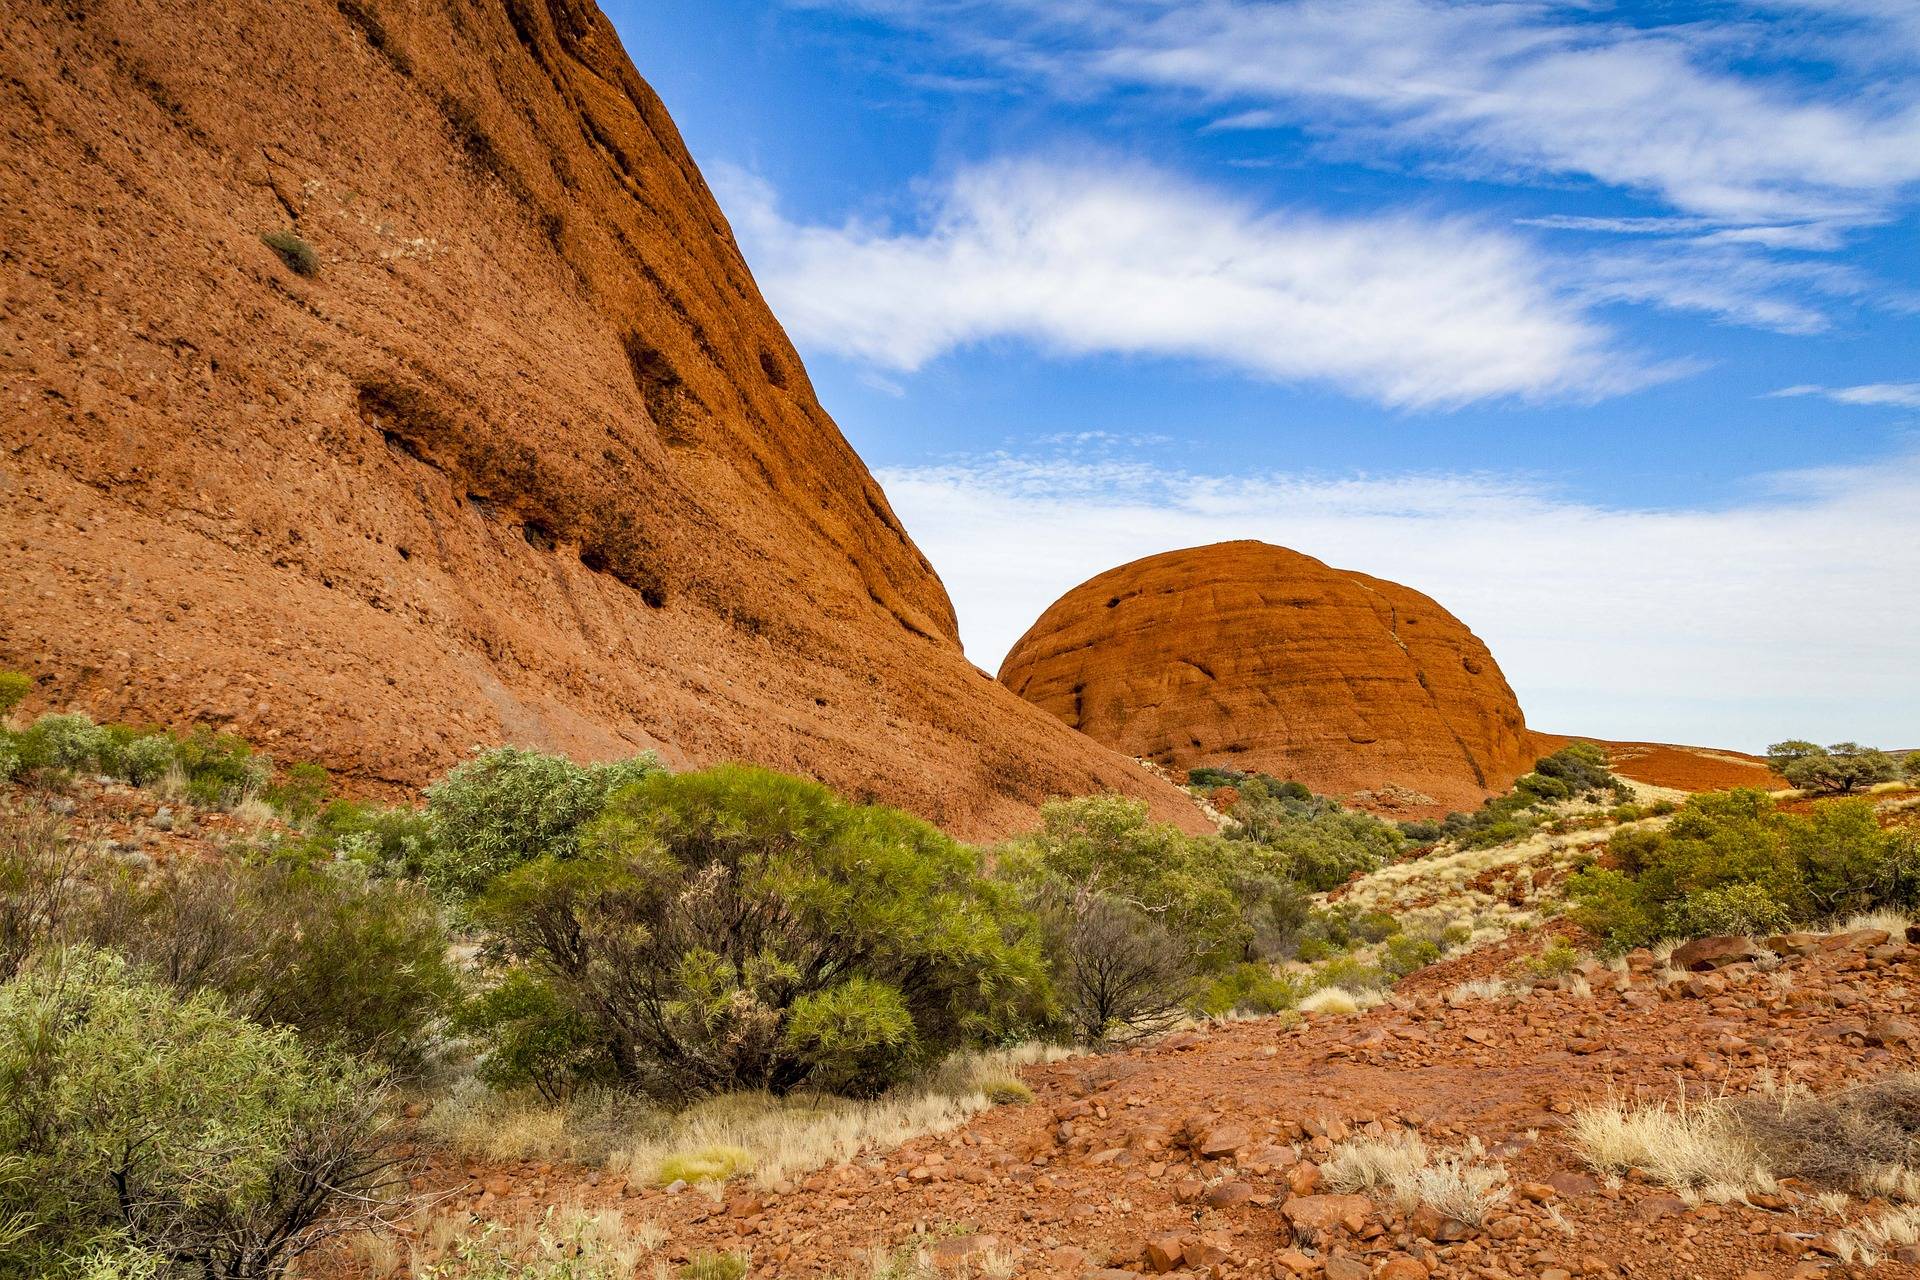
1260, 658
526, 458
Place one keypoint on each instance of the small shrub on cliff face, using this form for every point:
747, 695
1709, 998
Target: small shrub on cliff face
508, 807
166, 1123
298, 255
14, 688
737, 929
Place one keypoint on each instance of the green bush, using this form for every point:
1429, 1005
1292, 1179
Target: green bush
142, 759
1250, 988
1730, 908
14, 688
1311, 839
347, 962
1558, 961
1353, 974
397, 841
509, 807
163, 1123
1105, 844
535, 1038
9, 756
1911, 766
1835, 770
715, 1266
1405, 953
222, 769
1728, 856
736, 928
62, 742
301, 793
38, 888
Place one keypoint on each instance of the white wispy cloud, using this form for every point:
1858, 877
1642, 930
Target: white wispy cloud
1405, 309
1900, 395
1795, 612
1714, 117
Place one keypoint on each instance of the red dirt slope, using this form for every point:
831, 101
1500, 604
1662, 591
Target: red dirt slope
526, 459
1662, 764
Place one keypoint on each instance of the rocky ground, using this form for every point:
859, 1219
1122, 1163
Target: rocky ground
1201, 1154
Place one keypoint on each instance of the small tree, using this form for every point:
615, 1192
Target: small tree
1836, 770
508, 807
1119, 972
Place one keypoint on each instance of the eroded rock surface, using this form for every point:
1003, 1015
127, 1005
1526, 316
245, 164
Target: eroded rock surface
1257, 657
522, 456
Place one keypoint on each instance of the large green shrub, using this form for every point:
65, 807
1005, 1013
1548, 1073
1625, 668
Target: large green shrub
1728, 858
534, 1037
1312, 840
346, 961
149, 1121
736, 928
509, 806
1835, 770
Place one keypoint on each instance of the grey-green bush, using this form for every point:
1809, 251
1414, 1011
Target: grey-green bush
163, 1123
509, 807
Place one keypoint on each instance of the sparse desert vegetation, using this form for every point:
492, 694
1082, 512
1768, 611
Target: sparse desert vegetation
727, 988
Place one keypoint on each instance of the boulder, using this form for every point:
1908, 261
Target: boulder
1713, 952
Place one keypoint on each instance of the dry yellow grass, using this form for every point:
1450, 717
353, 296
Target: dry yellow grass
1694, 1148
771, 1138
1456, 1181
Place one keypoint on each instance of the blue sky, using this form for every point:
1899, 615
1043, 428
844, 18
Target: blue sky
1599, 323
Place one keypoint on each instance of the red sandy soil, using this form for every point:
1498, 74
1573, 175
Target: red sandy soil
1662, 764
1204, 1146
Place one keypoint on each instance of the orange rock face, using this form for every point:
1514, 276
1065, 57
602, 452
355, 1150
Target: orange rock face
519, 454
1260, 658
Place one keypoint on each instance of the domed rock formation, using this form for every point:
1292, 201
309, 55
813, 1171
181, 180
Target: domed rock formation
1259, 658
382, 379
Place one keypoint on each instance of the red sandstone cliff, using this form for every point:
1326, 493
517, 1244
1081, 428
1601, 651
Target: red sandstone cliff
526, 459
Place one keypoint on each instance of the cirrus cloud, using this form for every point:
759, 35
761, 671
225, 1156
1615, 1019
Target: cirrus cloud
1409, 310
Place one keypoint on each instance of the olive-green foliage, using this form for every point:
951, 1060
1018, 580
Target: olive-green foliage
164, 1122
9, 756
62, 742
1911, 766
508, 807
564, 1247
1836, 770
396, 841
1576, 771
37, 884
14, 688
1729, 908
300, 793
222, 769
534, 1037
141, 758
1314, 841
294, 251
1250, 987
736, 928
1557, 961
1342, 927
1836, 860
346, 961
1105, 844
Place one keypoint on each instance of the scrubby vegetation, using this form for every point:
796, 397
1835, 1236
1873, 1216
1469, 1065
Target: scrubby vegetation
168, 1131
1735, 862
737, 929
1576, 772
294, 251
1836, 770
